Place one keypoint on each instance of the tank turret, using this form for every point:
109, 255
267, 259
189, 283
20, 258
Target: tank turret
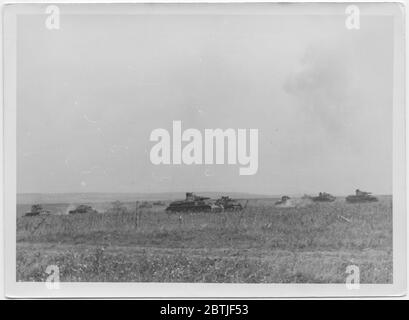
193, 203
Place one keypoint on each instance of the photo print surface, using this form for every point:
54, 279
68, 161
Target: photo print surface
205, 144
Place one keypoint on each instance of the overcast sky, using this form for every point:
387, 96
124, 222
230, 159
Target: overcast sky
90, 94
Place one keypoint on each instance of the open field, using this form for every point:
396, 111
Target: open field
261, 244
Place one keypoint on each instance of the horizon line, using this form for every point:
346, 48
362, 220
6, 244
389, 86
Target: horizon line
162, 192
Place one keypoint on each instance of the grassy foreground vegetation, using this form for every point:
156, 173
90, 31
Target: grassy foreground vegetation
310, 244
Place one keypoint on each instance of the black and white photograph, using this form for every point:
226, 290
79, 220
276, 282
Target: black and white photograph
205, 144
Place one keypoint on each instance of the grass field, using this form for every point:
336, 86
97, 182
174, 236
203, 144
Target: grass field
261, 244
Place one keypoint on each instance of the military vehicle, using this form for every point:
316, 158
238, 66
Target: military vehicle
361, 196
323, 197
193, 203
83, 208
283, 201
229, 204
36, 210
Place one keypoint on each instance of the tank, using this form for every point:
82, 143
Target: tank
82, 208
193, 203
229, 204
36, 210
323, 197
283, 201
361, 196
